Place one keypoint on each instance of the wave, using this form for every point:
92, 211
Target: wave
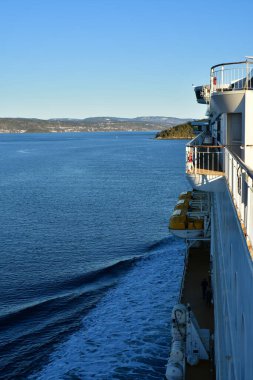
52, 318
23, 151
162, 243
46, 322
70, 289
112, 269
73, 288
127, 334
27, 310
38, 327
64, 289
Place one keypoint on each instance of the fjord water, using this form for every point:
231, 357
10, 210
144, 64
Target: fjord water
88, 270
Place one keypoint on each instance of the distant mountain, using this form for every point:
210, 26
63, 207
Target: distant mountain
104, 119
140, 119
162, 120
91, 124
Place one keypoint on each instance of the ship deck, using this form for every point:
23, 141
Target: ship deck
208, 161
209, 172
197, 269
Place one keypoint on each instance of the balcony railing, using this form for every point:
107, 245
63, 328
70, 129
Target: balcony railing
232, 76
204, 159
198, 140
220, 161
240, 182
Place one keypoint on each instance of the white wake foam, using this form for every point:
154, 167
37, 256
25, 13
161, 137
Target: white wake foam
127, 335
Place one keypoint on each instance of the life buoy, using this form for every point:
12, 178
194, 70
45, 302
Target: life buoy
190, 157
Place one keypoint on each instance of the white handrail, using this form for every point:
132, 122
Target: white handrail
238, 176
204, 157
232, 76
240, 183
198, 140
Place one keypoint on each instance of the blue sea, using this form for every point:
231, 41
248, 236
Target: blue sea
88, 270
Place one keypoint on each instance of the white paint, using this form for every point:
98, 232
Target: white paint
232, 263
233, 277
248, 129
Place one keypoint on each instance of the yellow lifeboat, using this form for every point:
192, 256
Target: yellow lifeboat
186, 195
178, 220
185, 223
182, 204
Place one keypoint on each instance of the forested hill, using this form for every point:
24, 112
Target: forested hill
181, 131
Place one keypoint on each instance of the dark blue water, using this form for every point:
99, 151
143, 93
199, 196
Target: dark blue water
88, 270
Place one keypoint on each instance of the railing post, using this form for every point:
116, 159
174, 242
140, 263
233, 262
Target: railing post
232, 168
231, 174
249, 208
222, 77
247, 76
195, 159
211, 80
226, 162
186, 159
240, 183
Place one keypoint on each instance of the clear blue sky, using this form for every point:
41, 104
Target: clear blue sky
81, 58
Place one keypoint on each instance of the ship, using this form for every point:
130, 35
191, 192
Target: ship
211, 325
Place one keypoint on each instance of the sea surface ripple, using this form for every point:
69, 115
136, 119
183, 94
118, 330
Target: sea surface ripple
88, 270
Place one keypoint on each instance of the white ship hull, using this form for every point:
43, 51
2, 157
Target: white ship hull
225, 170
232, 287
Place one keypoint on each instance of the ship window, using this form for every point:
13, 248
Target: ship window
236, 127
234, 132
244, 190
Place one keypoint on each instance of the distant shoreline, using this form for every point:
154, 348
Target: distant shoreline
174, 138
96, 124
63, 132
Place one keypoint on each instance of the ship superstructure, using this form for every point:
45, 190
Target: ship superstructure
219, 161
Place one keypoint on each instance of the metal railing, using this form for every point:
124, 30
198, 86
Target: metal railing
212, 160
240, 182
204, 159
232, 76
181, 291
198, 140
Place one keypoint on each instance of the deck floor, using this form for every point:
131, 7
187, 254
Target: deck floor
209, 172
197, 269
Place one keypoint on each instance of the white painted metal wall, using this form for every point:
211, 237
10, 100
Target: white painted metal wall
233, 292
248, 131
240, 184
231, 91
